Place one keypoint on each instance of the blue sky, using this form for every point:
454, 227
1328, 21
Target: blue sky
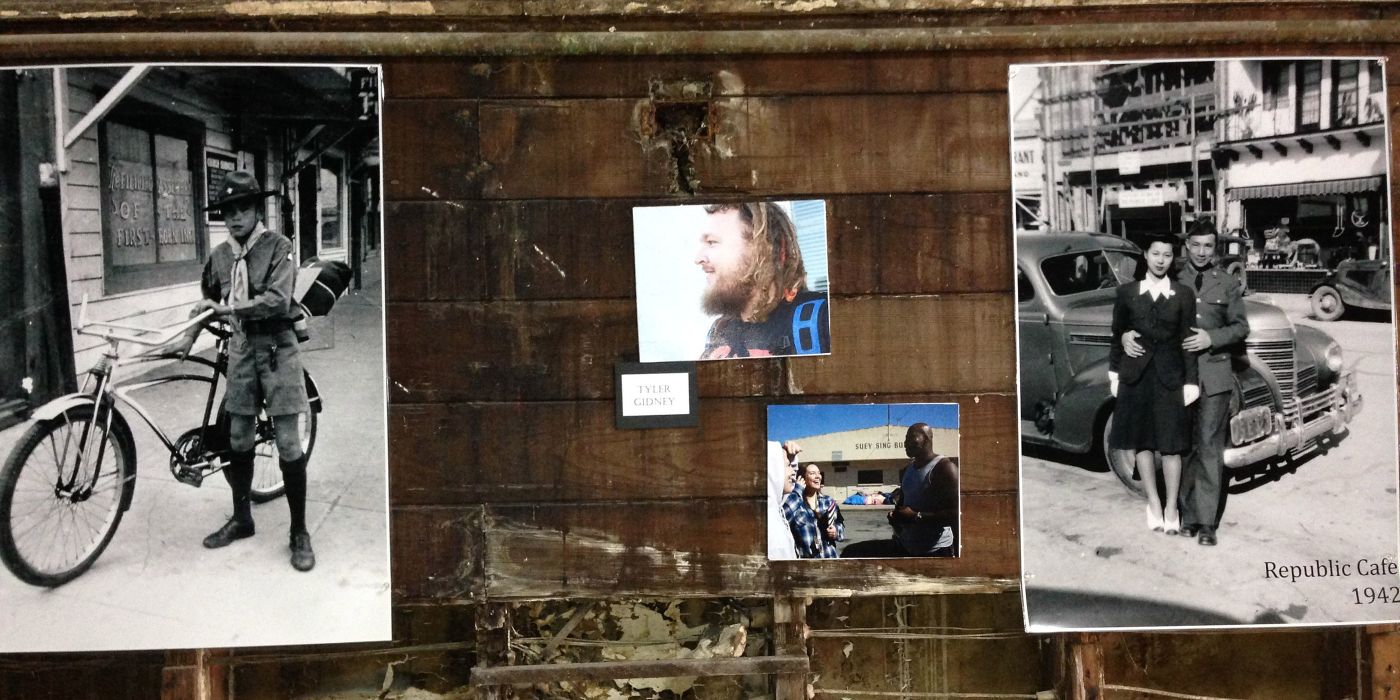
799, 421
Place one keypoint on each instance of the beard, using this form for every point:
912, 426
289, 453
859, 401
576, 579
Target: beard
728, 296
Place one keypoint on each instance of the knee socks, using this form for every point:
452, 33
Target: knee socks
239, 474
294, 476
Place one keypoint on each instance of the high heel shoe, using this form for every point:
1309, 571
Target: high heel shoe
1154, 519
1172, 524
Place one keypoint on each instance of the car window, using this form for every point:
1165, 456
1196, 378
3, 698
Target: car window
1092, 269
1024, 290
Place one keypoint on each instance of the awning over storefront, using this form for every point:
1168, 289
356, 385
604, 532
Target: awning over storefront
1347, 186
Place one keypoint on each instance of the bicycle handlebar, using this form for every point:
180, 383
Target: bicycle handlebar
140, 335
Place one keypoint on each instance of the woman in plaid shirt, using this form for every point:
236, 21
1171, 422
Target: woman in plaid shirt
814, 518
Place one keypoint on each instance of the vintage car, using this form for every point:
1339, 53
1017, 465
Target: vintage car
1356, 284
1292, 386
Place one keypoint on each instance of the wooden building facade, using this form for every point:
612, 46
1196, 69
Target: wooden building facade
526, 530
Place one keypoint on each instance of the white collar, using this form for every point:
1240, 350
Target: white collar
1159, 288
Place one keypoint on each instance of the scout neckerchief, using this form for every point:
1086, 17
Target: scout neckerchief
238, 289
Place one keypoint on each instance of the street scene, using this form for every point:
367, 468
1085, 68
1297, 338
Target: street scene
138, 509
1206, 343
156, 587
1089, 561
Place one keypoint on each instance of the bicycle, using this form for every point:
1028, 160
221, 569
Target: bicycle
72, 475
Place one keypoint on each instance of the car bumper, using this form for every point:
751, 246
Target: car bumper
1328, 411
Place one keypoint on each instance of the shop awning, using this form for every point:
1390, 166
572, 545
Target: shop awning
1347, 186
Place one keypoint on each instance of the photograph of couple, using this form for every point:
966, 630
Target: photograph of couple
1205, 343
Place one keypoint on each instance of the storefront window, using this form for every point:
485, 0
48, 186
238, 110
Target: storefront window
328, 200
150, 222
1309, 95
1346, 88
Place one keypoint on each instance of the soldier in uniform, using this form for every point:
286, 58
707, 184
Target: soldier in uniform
756, 283
1217, 338
248, 281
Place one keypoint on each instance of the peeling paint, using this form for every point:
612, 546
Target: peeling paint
327, 7
805, 5
549, 260
95, 14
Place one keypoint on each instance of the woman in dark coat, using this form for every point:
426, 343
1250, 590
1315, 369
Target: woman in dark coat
1154, 388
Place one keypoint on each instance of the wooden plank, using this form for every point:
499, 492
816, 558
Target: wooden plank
790, 637
920, 244
557, 77
431, 149
514, 351
554, 249
548, 351
1381, 659
195, 674
538, 452
648, 668
88, 676
437, 669
947, 344
434, 250
760, 145
906, 143
569, 149
712, 548
436, 554
990, 561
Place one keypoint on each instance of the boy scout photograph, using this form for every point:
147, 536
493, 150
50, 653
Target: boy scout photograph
728, 281
192, 380
1206, 343
860, 481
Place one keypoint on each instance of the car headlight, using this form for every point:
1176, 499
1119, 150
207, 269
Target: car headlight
1333, 357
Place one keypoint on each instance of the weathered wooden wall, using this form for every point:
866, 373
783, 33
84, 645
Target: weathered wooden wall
510, 176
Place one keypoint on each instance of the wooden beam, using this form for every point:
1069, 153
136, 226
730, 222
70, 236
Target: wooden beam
790, 639
195, 674
642, 668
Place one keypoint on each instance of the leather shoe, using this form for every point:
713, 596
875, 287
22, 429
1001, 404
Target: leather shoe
232, 530
1206, 538
303, 559
1190, 530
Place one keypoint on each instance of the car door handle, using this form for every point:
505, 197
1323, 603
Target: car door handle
1038, 318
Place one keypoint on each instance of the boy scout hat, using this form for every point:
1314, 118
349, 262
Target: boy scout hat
238, 186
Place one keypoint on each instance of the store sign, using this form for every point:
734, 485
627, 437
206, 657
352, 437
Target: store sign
1129, 163
216, 166
1130, 199
148, 200
656, 395
1027, 164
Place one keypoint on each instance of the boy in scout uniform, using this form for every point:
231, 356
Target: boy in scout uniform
248, 281
1217, 338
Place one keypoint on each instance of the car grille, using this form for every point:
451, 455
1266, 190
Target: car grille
1278, 355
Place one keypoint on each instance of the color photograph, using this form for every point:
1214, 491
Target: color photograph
860, 481
192, 370
732, 281
1205, 343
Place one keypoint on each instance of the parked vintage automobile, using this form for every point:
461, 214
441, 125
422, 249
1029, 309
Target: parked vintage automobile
1293, 387
1355, 284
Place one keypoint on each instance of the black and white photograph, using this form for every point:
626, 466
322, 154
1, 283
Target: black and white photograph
192, 371
730, 281
863, 481
1205, 343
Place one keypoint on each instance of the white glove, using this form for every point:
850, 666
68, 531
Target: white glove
1113, 383
1190, 392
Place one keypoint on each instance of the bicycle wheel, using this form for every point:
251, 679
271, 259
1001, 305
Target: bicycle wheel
267, 468
57, 511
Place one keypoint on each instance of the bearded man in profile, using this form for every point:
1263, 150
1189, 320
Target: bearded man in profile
756, 284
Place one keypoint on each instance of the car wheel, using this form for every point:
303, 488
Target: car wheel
1327, 304
1120, 462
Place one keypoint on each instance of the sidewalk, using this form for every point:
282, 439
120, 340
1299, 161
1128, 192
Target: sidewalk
156, 587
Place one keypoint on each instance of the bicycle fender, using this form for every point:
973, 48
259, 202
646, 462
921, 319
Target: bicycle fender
58, 406
55, 408
313, 394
